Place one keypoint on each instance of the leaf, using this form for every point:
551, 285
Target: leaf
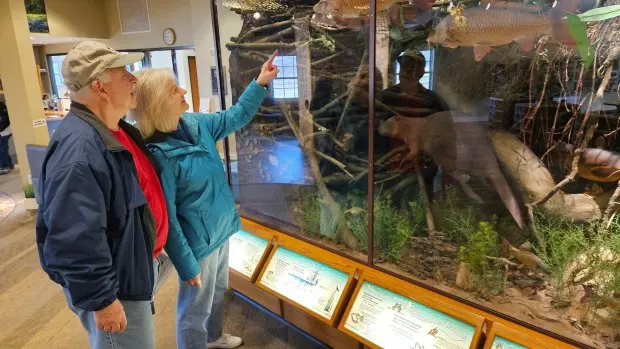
578, 31
600, 14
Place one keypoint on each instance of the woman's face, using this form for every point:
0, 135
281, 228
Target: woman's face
176, 99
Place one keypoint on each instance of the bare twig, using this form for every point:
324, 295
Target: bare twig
251, 32
277, 36
502, 260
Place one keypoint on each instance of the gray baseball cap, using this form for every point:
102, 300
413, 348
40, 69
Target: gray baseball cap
89, 59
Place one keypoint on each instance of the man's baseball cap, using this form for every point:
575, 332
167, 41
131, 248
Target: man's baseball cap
414, 55
89, 59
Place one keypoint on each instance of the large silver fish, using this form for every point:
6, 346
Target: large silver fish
496, 24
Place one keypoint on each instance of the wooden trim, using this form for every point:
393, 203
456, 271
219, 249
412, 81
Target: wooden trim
518, 337
263, 259
341, 300
193, 82
370, 272
404, 289
241, 284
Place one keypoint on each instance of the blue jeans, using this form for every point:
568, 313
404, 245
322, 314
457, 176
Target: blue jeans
5, 158
140, 331
200, 311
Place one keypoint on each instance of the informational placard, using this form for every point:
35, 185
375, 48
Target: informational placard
246, 251
502, 343
390, 320
313, 285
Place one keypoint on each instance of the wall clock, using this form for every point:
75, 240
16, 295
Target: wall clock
170, 37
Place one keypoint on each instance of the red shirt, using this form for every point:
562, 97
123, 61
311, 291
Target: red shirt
149, 182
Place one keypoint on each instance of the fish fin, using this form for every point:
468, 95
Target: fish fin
481, 51
526, 43
604, 171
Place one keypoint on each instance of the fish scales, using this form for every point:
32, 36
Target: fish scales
494, 27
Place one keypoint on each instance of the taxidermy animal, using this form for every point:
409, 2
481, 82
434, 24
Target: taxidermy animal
597, 165
527, 258
501, 23
436, 136
361, 8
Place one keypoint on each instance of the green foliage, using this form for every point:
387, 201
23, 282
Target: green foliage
307, 214
35, 6
600, 14
392, 227
455, 217
579, 31
559, 242
482, 243
29, 191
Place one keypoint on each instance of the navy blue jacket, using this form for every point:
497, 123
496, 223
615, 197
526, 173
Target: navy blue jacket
95, 231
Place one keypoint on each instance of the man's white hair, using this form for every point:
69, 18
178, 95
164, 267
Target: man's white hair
85, 91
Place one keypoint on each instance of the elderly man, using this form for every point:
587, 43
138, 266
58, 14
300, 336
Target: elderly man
102, 217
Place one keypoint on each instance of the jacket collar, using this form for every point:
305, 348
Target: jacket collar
171, 146
82, 112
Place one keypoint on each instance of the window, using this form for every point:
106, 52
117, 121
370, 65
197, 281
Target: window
285, 86
58, 83
427, 79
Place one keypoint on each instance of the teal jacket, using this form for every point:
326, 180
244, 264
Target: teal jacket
201, 207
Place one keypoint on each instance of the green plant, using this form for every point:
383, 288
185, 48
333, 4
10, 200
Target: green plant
393, 227
481, 243
455, 217
29, 191
307, 214
559, 243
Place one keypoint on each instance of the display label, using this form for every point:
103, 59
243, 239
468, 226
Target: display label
502, 343
245, 252
316, 286
392, 321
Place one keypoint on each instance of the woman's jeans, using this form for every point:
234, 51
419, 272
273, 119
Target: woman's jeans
5, 159
200, 311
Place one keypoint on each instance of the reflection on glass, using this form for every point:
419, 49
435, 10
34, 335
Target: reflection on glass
496, 153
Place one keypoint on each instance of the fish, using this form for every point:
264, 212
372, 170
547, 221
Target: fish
500, 23
597, 165
350, 8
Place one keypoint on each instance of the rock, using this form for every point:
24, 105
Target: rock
464, 277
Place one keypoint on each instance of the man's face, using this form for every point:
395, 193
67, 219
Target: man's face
121, 90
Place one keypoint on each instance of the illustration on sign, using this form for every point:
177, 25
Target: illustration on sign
393, 321
502, 343
313, 285
247, 251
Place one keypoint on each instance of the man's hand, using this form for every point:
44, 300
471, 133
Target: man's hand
268, 72
195, 281
111, 318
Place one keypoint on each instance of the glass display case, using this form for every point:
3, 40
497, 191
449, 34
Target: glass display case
467, 147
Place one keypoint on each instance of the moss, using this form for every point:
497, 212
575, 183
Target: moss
307, 214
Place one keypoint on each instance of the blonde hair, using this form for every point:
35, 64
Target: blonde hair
152, 94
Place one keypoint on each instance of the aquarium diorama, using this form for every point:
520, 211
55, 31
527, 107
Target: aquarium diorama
483, 135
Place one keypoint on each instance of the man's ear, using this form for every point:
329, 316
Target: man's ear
100, 89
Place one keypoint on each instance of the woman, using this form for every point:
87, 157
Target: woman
201, 207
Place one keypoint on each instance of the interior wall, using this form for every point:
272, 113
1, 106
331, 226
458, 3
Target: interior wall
162, 13
77, 18
183, 70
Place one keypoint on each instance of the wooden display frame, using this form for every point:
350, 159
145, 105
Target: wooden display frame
404, 289
342, 300
518, 337
271, 239
389, 281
